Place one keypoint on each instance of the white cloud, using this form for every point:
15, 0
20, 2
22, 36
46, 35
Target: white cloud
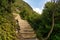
37, 10
25, 0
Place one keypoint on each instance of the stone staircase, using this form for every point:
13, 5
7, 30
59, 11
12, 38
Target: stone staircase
26, 31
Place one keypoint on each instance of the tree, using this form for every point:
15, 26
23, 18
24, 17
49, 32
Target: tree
49, 13
53, 13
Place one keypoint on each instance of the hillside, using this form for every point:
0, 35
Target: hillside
26, 12
44, 27
42, 24
7, 22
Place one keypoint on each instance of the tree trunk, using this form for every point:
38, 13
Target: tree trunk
51, 28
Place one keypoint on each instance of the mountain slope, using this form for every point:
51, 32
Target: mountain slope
27, 13
8, 24
7, 21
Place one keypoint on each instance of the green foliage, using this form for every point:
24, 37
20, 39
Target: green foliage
47, 21
41, 23
7, 27
7, 22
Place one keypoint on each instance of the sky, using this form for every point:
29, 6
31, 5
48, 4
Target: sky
37, 5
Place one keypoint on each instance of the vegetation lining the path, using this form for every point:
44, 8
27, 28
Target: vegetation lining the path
7, 21
42, 24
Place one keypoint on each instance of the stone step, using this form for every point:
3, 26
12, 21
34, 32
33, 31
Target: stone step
25, 25
26, 28
26, 31
31, 39
28, 35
